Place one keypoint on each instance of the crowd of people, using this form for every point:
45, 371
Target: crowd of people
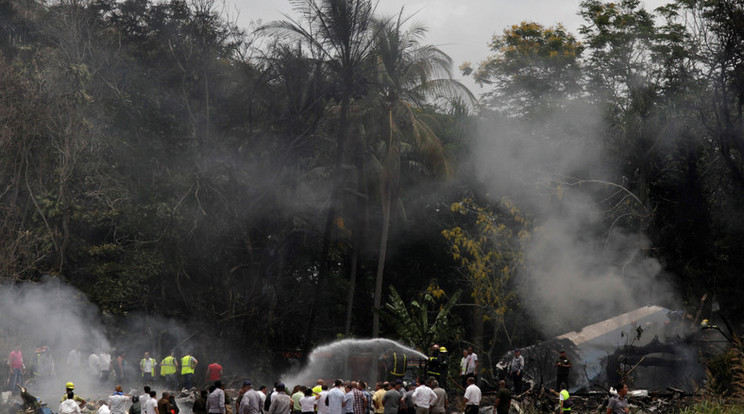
100, 367
426, 396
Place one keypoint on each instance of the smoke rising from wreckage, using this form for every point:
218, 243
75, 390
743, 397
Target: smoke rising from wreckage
653, 348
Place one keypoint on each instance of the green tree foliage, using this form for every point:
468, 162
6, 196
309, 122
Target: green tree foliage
490, 253
532, 70
161, 160
407, 75
413, 322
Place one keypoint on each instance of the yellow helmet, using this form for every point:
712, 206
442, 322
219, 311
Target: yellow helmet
442, 349
70, 386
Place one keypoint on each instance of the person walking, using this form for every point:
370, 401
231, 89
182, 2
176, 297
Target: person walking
214, 372
168, 369
472, 397
188, 365
564, 402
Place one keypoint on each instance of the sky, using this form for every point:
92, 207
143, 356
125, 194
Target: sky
461, 28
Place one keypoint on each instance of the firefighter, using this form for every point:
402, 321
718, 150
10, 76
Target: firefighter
433, 368
399, 361
70, 388
443, 367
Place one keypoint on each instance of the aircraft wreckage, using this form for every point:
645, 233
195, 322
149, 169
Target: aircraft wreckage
651, 348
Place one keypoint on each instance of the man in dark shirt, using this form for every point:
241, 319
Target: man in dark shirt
164, 404
200, 404
391, 399
503, 399
563, 365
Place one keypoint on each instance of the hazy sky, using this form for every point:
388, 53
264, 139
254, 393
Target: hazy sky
462, 28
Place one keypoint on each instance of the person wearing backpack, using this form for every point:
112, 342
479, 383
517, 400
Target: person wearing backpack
565, 402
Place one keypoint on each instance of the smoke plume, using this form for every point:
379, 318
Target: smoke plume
579, 269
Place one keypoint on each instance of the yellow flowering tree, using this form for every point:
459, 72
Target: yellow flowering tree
532, 68
490, 253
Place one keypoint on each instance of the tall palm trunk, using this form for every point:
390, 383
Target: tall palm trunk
325, 263
390, 174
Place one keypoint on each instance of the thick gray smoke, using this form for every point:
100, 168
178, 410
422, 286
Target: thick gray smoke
53, 315
58, 329
577, 270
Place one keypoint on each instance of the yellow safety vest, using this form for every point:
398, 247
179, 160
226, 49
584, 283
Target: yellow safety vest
142, 365
564, 394
187, 365
168, 366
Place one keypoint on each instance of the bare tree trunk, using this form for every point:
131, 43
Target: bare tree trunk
386, 207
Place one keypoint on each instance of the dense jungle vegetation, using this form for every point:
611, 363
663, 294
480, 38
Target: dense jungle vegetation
278, 184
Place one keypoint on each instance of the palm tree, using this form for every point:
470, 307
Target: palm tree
338, 34
408, 76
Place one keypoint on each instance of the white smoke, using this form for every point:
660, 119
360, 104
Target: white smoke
578, 271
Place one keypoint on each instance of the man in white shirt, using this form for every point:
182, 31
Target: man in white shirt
472, 369
93, 366
262, 390
144, 397
151, 406
119, 402
320, 402
423, 398
472, 397
69, 406
336, 398
103, 408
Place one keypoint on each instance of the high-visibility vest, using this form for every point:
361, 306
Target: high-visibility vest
142, 365
187, 365
399, 364
433, 366
168, 366
564, 394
